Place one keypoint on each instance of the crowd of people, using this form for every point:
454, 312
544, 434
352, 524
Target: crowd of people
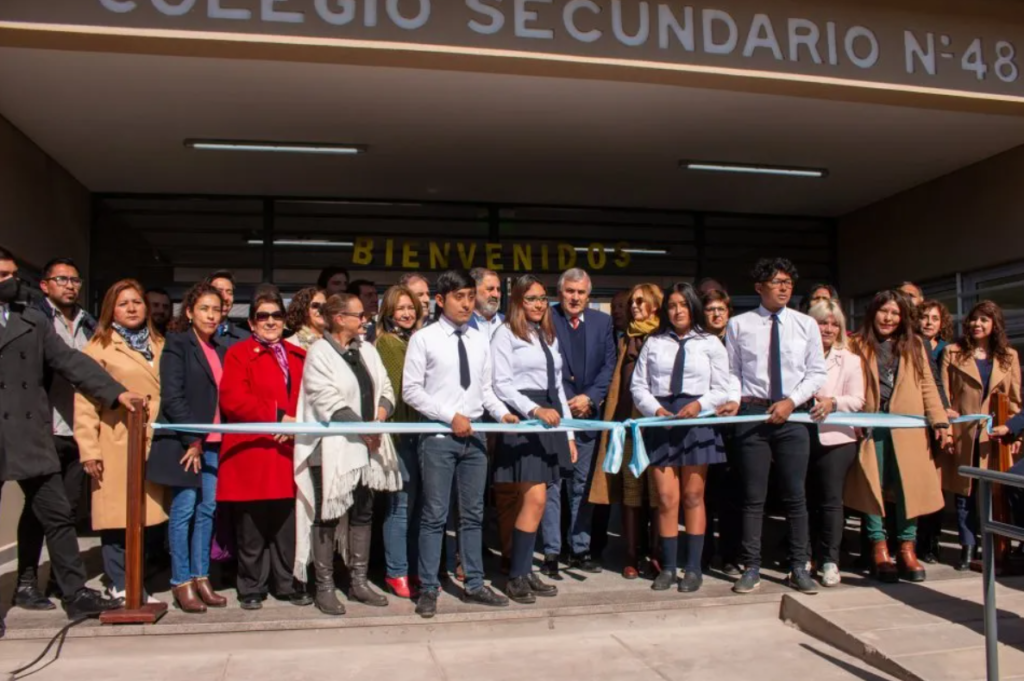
288, 509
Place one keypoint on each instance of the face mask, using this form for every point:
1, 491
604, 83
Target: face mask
9, 289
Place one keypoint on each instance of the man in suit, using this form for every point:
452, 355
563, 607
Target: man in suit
29, 349
586, 340
229, 333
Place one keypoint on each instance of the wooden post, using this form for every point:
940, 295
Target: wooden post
134, 610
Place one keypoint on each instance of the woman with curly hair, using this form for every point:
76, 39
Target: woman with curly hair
304, 318
979, 365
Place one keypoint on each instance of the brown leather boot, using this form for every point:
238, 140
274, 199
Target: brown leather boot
910, 569
187, 599
884, 569
208, 595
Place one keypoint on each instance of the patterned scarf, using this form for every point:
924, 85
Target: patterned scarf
280, 354
391, 327
137, 339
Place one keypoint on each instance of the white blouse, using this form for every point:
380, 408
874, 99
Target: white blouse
705, 373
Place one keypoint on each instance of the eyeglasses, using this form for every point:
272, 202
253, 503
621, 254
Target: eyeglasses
781, 283
316, 306
64, 281
357, 315
534, 300
716, 310
267, 316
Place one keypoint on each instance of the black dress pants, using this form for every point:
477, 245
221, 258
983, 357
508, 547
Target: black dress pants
30, 529
265, 536
46, 502
758, 447
826, 477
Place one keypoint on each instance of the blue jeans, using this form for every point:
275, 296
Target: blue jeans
444, 460
402, 521
581, 511
190, 528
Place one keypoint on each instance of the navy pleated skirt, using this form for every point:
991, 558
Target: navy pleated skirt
683, 445
533, 457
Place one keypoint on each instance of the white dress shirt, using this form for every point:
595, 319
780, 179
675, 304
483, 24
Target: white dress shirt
748, 342
431, 383
705, 372
488, 326
521, 365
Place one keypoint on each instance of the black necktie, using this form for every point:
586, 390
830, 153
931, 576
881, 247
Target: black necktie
676, 384
775, 358
464, 378
549, 360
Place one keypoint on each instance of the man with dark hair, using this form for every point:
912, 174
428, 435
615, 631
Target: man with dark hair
61, 285
160, 308
228, 333
709, 284
30, 349
447, 378
332, 279
366, 291
777, 365
913, 292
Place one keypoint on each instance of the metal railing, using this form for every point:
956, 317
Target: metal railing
989, 529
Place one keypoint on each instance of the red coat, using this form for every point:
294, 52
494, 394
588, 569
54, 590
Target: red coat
252, 390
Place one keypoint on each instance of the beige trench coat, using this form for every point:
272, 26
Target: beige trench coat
102, 433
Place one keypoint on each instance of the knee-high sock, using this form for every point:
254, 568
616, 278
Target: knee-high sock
669, 552
694, 551
522, 553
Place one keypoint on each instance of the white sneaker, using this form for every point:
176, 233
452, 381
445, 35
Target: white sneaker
830, 575
152, 599
115, 594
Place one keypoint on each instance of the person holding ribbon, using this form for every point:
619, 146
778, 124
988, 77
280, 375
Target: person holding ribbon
681, 372
896, 461
128, 346
304, 317
401, 314
979, 365
448, 378
261, 384
527, 378
344, 381
190, 372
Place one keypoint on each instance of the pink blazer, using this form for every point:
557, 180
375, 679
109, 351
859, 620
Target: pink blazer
845, 382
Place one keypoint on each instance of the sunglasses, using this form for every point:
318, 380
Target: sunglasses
267, 316
316, 306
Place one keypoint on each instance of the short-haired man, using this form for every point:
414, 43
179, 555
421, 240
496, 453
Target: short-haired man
448, 378
777, 365
586, 340
420, 287
913, 292
332, 279
228, 332
30, 349
61, 285
366, 291
487, 317
158, 301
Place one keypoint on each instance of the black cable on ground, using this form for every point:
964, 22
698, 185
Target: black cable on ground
60, 636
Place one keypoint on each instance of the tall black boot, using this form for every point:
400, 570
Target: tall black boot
359, 557
323, 563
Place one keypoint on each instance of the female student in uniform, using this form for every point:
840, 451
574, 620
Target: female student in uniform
975, 368
899, 461
681, 371
527, 368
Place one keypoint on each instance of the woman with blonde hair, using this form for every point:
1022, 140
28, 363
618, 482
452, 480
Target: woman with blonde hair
644, 303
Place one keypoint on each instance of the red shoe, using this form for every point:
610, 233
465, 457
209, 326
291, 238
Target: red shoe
399, 586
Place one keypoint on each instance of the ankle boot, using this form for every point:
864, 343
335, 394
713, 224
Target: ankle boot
359, 557
884, 569
187, 599
323, 564
964, 564
208, 595
910, 569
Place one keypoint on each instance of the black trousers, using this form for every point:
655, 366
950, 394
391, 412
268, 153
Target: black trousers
361, 513
758, 446
826, 476
46, 501
30, 528
265, 536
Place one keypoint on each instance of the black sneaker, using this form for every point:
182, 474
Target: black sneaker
800, 579
426, 606
749, 582
29, 597
87, 603
664, 580
251, 602
485, 596
549, 568
731, 570
586, 563
518, 589
690, 582
541, 588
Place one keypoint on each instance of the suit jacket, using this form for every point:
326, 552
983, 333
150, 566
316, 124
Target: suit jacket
234, 334
188, 394
595, 377
29, 348
964, 387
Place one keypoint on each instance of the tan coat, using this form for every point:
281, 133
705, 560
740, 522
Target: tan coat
102, 433
605, 488
913, 395
963, 385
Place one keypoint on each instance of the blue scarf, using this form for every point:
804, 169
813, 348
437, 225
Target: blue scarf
137, 340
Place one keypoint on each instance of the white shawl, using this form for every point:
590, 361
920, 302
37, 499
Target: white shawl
328, 384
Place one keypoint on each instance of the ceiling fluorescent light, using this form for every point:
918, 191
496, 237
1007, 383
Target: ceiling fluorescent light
753, 169
308, 243
635, 251
276, 147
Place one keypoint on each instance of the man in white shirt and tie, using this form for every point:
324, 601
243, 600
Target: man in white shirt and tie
777, 365
448, 379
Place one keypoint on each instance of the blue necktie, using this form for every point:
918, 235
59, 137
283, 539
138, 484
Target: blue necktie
676, 384
775, 357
